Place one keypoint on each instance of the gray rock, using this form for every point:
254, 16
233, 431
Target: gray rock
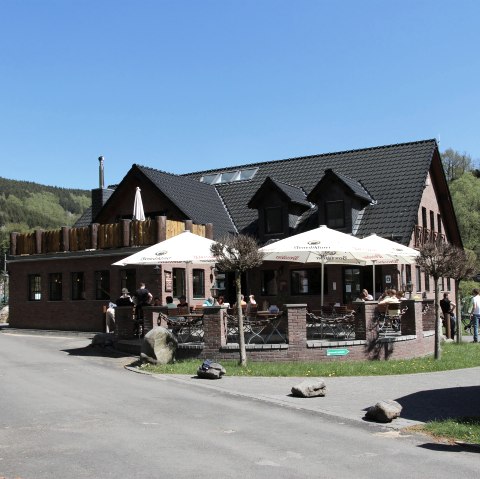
215, 371
384, 411
159, 346
310, 388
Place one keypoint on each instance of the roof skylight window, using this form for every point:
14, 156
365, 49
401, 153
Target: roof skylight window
229, 176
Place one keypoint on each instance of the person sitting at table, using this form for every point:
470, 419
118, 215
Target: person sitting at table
401, 295
221, 302
243, 303
183, 303
169, 303
362, 297
368, 296
210, 301
390, 297
251, 305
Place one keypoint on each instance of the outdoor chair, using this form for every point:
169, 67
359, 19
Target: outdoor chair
390, 321
322, 326
253, 328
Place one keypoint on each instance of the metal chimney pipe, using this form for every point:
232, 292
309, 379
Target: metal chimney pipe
100, 173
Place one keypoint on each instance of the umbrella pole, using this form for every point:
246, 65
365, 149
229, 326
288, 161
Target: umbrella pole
374, 293
187, 280
321, 282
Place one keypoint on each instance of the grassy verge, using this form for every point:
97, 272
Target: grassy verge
466, 429
454, 356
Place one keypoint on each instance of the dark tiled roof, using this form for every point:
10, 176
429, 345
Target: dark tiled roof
198, 201
85, 219
356, 187
295, 193
393, 175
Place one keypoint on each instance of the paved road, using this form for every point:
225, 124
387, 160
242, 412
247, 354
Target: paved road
67, 411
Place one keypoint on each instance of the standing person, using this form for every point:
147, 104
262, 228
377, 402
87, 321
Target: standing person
475, 313
144, 298
125, 299
448, 309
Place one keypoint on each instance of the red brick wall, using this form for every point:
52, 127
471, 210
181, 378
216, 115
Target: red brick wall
80, 315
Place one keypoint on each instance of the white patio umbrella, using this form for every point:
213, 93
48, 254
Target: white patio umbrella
138, 213
387, 252
321, 245
185, 248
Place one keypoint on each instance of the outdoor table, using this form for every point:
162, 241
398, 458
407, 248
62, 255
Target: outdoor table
274, 319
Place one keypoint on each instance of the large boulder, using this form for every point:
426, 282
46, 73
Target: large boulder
310, 388
211, 370
384, 411
159, 346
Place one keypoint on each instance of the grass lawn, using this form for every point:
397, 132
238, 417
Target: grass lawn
454, 356
466, 429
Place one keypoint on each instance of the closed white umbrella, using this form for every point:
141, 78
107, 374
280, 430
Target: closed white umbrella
185, 247
138, 213
321, 245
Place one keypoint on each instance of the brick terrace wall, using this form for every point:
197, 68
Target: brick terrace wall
428, 315
371, 346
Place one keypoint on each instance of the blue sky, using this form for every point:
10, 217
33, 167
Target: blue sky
189, 85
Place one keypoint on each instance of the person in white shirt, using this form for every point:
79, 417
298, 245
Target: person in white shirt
475, 314
368, 296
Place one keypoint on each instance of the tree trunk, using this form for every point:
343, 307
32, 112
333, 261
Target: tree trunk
458, 312
438, 323
241, 333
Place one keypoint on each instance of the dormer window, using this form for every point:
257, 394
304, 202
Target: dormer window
273, 220
279, 205
335, 214
340, 201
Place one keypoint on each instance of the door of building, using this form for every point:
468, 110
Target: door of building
352, 283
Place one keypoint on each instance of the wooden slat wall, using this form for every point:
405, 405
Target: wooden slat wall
142, 233
174, 228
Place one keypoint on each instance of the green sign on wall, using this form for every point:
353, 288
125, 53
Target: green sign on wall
337, 352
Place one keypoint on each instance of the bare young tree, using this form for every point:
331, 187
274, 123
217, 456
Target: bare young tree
238, 253
463, 267
438, 259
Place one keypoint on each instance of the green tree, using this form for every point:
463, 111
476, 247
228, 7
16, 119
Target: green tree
456, 164
465, 193
238, 253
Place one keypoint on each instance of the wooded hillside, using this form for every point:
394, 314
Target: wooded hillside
25, 205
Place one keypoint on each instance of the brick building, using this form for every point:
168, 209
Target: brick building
396, 191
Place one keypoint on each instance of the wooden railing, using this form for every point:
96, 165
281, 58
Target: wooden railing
103, 236
424, 235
